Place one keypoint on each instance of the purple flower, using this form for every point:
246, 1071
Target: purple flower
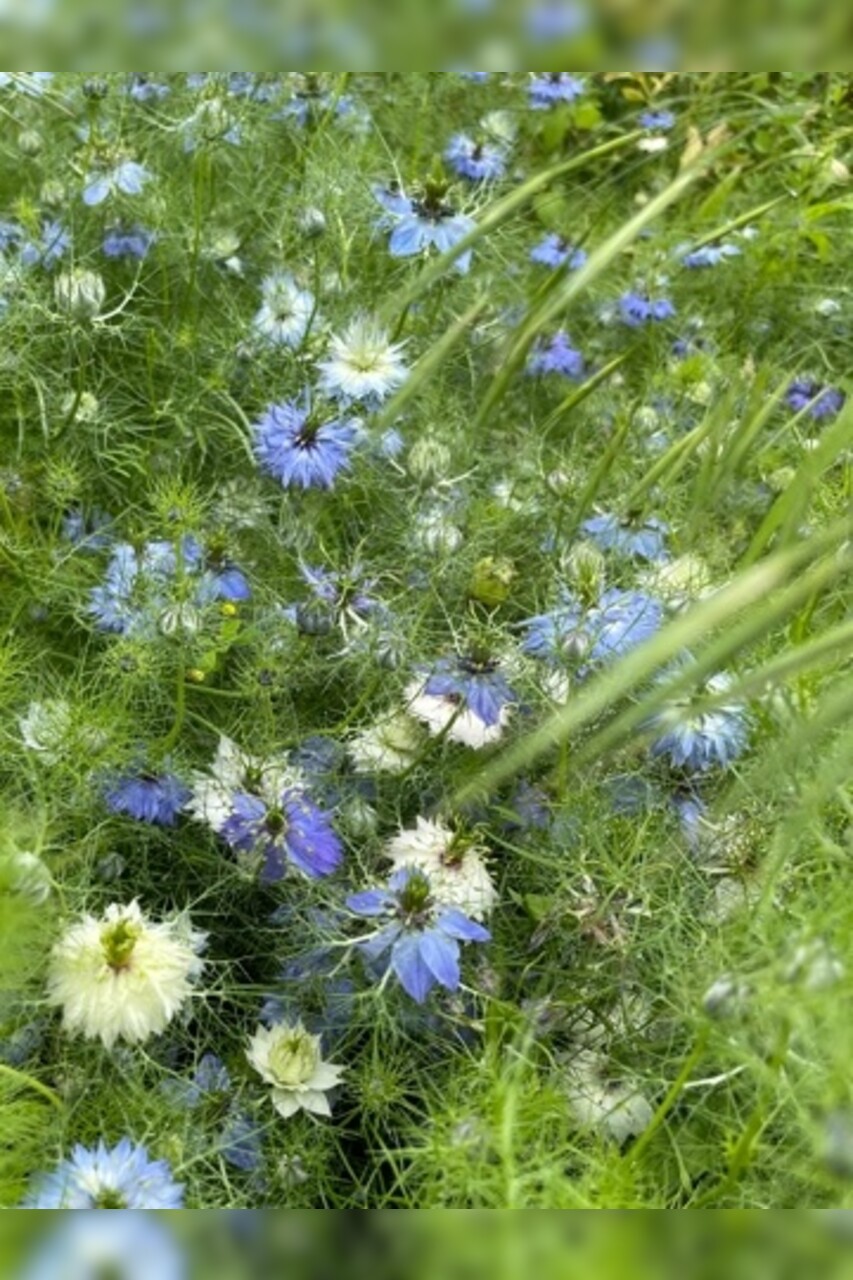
421, 937
609, 628
554, 251
133, 242
820, 401
148, 797
424, 223
295, 831
556, 355
475, 682
551, 87
662, 120
476, 161
643, 538
638, 309
300, 451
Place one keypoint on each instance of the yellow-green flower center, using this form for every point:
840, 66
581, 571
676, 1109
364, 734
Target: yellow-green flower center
294, 1058
117, 943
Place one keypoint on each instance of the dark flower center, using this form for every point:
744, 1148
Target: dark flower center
275, 822
415, 900
109, 1198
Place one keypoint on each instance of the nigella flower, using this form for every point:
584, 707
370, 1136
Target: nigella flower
554, 251
121, 1177
300, 451
219, 578
555, 20
662, 120
87, 531
615, 623
49, 249
363, 365
292, 831
127, 177
209, 1093
697, 740
130, 1246
420, 935
148, 797
131, 242
556, 355
476, 161
550, 87
290, 1059
143, 89
338, 599
233, 770
641, 538
422, 223
637, 309
286, 311
820, 401
452, 861
465, 697
123, 976
710, 255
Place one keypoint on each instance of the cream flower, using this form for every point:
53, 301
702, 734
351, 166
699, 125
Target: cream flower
364, 365
388, 746
290, 1059
616, 1108
123, 977
455, 868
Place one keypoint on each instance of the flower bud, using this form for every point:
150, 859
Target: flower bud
30, 142
79, 293
429, 459
491, 580
584, 567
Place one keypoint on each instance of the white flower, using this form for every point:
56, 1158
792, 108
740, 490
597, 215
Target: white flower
389, 746
443, 714
614, 1107
233, 770
364, 365
285, 312
290, 1059
46, 728
123, 977
455, 867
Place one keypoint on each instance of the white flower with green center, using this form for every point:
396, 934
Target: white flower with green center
123, 977
235, 770
391, 745
452, 862
364, 365
290, 1059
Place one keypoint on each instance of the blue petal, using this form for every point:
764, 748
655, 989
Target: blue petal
440, 953
408, 964
456, 925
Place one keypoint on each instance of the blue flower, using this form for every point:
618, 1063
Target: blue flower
554, 251
120, 1178
697, 740
710, 255
148, 797
126, 1246
662, 120
638, 309
419, 224
142, 89
551, 87
473, 681
295, 831
820, 401
239, 1139
51, 248
127, 177
300, 451
642, 538
476, 161
421, 937
132, 242
88, 531
617, 622
555, 20
556, 355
